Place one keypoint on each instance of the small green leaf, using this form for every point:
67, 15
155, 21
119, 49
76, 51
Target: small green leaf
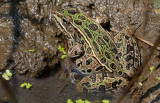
5, 76
87, 101
79, 101
31, 50
28, 85
64, 52
8, 73
158, 78
59, 47
63, 56
140, 84
23, 85
69, 101
106, 101
151, 69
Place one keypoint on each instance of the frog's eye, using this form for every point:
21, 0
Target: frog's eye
72, 11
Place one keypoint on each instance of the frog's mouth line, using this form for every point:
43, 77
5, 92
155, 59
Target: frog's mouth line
75, 71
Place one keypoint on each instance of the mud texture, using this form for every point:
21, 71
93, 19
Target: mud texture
28, 25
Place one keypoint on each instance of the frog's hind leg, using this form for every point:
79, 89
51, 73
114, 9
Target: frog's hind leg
128, 53
100, 82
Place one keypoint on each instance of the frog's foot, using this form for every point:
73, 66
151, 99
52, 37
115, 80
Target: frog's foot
128, 53
102, 83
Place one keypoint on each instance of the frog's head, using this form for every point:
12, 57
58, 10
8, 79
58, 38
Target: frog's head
65, 15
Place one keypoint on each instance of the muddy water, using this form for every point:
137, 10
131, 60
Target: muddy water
28, 25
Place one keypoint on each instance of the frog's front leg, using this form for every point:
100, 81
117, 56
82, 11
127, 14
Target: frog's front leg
75, 49
102, 83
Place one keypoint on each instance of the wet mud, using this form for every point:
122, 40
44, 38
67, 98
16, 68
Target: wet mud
29, 40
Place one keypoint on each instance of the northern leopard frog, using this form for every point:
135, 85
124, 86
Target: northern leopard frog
106, 62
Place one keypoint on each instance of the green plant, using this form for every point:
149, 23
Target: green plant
151, 69
63, 51
27, 85
7, 75
32, 50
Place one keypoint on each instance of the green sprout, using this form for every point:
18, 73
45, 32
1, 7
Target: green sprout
27, 85
23, 85
7, 75
63, 51
69, 101
32, 50
80, 101
87, 101
159, 78
151, 69
106, 101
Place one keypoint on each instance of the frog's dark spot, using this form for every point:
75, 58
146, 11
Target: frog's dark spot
85, 90
88, 33
114, 84
119, 45
102, 88
89, 61
114, 50
80, 63
136, 60
99, 68
113, 66
129, 66
120, 81
79, 35
121, 66
78, 22
89, 70
72, 11
82, 42
107, 55
119, 54
105, 38
81, 17
127, 37
120, 72
93, 26
83, 71
89, 50
75, 52
117, 58
129, 57
101, 41
130, 48
126, 76
82, 48
123, 34
95, 46
104, 74
86, 84
103, 60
